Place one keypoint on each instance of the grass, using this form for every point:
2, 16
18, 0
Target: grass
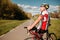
7, 25
55, 27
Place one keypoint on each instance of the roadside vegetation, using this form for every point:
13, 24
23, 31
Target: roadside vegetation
55, 27
7, 25
11, 11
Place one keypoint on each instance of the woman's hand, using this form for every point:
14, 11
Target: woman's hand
28, 27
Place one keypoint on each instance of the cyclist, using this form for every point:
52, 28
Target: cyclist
42, 19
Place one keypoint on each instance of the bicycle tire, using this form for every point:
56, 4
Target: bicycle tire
52, 36
30, 38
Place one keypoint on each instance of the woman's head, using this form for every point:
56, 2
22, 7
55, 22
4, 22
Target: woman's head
44, 7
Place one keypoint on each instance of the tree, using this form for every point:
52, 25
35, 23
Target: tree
8, 10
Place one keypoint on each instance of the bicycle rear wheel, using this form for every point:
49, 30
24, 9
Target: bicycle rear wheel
52, 36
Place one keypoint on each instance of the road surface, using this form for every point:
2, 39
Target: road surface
18, 33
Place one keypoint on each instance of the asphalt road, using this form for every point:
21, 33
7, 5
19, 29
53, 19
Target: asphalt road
18, 33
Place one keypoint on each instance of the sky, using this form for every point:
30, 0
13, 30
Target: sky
33, 5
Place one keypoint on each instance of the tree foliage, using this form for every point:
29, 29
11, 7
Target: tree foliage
9, 10
56, 14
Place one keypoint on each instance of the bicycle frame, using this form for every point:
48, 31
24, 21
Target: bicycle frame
36, 35
39, 36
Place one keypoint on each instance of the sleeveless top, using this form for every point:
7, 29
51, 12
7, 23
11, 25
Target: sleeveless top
43, 24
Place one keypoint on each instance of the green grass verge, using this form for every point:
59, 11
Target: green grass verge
55, 27
7, 25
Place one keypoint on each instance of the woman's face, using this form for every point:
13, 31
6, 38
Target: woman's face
42, 9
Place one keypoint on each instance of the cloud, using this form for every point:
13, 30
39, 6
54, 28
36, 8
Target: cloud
28, 6
35, 9
53, 8
31, 9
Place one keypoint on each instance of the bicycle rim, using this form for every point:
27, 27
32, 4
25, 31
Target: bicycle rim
52, 36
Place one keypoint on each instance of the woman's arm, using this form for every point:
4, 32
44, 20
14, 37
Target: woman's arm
36, 22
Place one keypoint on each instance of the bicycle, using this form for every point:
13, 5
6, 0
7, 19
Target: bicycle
37, 36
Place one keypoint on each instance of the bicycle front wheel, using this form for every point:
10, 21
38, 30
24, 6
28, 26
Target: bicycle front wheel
52, 36
31, 38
